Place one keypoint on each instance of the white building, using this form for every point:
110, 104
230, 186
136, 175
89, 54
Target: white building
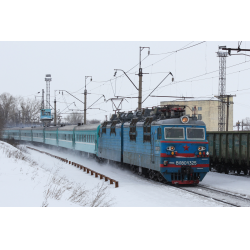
206, 110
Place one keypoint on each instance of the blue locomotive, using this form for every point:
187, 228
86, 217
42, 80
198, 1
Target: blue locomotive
161, 143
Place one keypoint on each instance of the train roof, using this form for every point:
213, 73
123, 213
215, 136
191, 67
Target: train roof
60, 128
88, 127
177, 121
79, 128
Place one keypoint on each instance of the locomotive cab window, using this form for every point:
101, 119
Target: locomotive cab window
195, 133
174, 133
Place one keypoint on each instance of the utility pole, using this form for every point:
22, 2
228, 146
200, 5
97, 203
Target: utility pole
55, 109
227, 102
140, 77
42, 103
238, 125
227, 111
85, 101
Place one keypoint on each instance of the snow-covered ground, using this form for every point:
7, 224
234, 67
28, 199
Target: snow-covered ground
233, 183
42, 180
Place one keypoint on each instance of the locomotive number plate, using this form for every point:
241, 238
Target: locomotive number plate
192, 163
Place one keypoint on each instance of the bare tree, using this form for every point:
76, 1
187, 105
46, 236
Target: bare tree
74, 118
17, 110
2, 122
30, 110
93, 121
7, 103
246, 123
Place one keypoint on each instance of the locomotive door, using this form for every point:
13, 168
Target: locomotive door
153, 148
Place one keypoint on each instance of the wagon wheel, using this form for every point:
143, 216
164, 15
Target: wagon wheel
238, 171
245, 171
226, 170
160, 177
139, 173
151, 174
219, 169
134, 169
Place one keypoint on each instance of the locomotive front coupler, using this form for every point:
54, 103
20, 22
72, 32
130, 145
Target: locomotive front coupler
186, 170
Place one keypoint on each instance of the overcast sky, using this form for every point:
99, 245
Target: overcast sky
24, 65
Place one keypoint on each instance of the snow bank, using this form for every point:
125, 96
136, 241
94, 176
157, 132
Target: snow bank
133, 191
27, 182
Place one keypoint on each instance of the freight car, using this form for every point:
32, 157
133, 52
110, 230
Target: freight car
161, 143
229, 151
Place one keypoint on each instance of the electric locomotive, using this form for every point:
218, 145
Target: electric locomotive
184, 150
161, 143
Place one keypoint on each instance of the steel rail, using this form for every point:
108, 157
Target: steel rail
223, 192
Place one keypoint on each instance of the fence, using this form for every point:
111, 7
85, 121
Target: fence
85, 169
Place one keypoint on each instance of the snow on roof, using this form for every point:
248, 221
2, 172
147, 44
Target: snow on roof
194, 99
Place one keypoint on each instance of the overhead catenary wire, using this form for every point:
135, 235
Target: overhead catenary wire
192, 79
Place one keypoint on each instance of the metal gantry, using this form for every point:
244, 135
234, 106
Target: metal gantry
222, 90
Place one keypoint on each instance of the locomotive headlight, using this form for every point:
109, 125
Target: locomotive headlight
184, 119
170, 148
201, 148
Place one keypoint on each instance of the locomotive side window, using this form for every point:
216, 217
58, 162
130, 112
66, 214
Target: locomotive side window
147, 133
174, 133
195, 133
132, 133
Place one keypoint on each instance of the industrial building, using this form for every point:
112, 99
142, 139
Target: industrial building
206, 110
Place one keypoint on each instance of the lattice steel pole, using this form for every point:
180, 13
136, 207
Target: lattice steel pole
222, 90
48, 79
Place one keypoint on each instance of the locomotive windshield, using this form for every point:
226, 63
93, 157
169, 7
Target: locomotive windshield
196, 133
174, 133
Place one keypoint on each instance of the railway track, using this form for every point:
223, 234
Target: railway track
231, 173
224, 197
221, 196
210, 197
228, 199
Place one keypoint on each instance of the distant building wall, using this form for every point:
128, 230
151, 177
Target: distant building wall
206, 110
